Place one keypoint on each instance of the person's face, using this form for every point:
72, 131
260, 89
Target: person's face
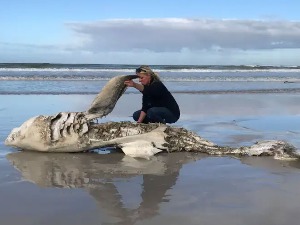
144, 78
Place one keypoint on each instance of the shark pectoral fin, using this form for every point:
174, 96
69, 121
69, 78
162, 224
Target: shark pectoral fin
144, 145
140, 148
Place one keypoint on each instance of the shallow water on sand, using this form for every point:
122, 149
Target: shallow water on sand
177, 188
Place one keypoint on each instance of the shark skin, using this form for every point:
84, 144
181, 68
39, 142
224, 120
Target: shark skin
105, 101
76, 132
54, 134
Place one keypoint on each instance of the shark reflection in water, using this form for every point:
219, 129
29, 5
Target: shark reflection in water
96, 173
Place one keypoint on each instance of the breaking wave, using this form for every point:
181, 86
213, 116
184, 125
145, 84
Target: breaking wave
22, 78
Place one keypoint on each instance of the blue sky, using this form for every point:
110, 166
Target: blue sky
265, 32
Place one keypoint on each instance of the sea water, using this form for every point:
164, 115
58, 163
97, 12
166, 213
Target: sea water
90, 78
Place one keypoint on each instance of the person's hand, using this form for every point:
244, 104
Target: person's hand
129, 83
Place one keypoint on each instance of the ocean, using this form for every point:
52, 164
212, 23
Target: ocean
56, 79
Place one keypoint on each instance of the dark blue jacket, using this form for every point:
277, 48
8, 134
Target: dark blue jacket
157, 95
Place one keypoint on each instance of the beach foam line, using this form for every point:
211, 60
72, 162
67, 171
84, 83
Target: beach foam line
203, 92
190, 78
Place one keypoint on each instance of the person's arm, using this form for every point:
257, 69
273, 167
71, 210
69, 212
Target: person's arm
140, 87
142, 117
131, 83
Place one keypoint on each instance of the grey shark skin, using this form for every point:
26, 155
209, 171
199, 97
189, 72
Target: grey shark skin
76, 132
106, 100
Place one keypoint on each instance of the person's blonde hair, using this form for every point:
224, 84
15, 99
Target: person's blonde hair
155, 76
148, 70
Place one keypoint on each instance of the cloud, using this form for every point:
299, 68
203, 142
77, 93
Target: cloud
174, 35
28, 47
166, 41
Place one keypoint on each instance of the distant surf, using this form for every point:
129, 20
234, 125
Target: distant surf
45, 78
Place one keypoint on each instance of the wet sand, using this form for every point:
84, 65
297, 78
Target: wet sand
177, 188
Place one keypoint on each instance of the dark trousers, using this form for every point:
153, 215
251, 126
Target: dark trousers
156, 115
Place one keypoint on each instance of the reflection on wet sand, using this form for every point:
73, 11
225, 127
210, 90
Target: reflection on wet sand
98, 174
271, 164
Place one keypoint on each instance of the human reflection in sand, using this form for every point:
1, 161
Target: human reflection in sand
99, 173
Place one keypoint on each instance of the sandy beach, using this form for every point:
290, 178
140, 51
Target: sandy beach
177, 188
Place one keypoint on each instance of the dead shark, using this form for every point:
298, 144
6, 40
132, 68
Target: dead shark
72, 132
77, 132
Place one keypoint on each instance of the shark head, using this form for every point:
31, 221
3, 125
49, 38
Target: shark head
24, 136
64, 132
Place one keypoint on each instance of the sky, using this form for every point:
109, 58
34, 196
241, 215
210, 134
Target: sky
175, 32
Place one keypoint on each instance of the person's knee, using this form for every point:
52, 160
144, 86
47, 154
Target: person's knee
154, 116
151, 113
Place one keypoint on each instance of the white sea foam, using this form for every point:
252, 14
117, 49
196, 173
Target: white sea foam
184, 70
182, 78
88, 79
64, 70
